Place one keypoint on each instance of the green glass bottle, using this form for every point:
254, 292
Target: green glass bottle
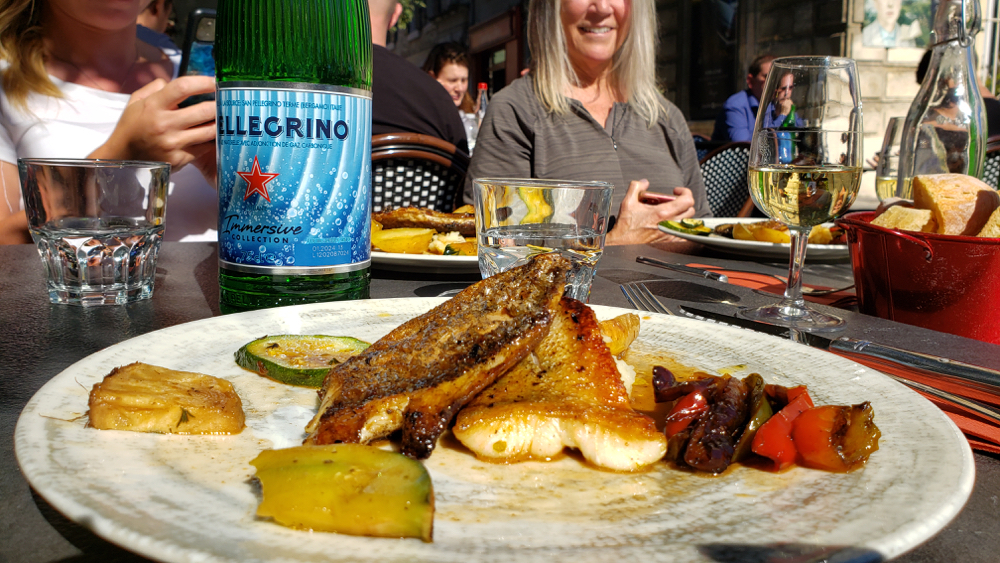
294, 151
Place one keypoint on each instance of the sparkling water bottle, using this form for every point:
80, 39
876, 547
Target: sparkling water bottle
294, 151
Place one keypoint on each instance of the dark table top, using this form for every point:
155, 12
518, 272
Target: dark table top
40, 340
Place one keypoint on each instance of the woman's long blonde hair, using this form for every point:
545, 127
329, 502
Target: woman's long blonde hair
633, 70
21, 47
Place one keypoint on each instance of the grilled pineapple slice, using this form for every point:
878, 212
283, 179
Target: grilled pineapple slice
144, 398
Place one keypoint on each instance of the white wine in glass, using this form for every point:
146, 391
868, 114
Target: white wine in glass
805, 166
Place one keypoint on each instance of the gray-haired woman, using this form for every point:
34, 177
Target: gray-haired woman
589, 110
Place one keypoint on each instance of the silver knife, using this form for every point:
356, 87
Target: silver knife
715, 276
980, 378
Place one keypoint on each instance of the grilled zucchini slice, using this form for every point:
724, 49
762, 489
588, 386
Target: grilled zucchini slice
688, 226
295, 359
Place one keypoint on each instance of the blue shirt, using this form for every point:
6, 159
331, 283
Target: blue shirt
737, 119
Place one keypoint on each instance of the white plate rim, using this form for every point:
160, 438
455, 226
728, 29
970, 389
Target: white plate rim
431, 263
889, 545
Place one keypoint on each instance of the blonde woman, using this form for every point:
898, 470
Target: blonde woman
77, 83
589, 110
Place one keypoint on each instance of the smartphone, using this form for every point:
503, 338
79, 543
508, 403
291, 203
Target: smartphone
197, 58
653, 198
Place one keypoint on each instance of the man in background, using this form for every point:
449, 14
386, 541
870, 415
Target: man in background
739, 113
153, 24
404, 97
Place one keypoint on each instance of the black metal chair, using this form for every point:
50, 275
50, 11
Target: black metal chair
725, 173
991, 168
413, 170
704, 145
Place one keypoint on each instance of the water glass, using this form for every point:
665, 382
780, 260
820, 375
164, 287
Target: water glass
887, 169
520, 218
97, 225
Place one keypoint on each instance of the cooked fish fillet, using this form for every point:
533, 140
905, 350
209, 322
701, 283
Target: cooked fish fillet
419, 375
423, 218
145, 398
567, 393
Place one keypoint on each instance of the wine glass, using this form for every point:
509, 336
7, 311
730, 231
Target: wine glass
805, 165
887, 169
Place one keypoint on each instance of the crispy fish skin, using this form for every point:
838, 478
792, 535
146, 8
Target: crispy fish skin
567, 393
419, 375
423, 218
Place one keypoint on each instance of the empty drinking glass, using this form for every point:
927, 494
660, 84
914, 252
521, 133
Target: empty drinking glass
97, 225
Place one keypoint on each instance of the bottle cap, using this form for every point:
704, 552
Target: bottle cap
483, 86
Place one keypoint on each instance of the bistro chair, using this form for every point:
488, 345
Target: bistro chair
704, 145
991, 168
414, 170
725, 173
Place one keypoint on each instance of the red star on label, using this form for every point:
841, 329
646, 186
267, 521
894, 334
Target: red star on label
257, 181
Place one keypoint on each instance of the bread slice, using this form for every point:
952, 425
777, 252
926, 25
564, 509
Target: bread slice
145, 398
960, 204
992, 228
906, 219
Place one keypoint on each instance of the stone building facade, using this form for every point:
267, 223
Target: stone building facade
704, 49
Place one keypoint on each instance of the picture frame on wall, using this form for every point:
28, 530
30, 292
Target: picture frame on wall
894, 24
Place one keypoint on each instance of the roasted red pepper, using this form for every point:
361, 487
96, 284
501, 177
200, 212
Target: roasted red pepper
836, 438
760, 412
687, 409
774, 437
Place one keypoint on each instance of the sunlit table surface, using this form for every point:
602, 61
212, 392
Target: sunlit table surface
40, 340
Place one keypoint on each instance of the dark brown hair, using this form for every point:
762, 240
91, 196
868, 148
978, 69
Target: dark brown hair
444, 54
760, 61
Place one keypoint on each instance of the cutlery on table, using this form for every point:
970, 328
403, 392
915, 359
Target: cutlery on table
642, 299
982, 379
725, 279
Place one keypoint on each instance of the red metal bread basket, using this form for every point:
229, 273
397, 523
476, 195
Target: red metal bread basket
942, 282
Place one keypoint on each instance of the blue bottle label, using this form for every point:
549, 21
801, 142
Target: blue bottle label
294, 178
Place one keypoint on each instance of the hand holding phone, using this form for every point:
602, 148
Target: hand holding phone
653, 198
197, 57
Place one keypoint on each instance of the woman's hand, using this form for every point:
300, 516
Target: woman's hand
637, 222
152, 127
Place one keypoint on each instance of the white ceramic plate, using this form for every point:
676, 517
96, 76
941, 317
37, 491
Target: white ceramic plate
189, 498
757, 248
427, 263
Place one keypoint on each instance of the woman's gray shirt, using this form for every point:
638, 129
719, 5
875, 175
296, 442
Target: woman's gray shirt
519, 139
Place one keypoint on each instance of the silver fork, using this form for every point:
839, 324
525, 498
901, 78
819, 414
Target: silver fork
642, 299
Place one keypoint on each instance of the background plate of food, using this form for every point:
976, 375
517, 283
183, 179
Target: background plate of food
416, 239
751, 236
427, 263
192, 498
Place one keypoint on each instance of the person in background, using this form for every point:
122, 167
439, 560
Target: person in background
590, 110
155, 22
405, 98
781, 111
739, 114
76, 82
886, 31
448, 63
990, 101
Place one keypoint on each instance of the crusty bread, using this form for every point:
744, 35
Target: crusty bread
959, 204
144, 398
992, 228
906, 219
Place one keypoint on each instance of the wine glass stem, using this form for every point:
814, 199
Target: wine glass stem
793, 292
